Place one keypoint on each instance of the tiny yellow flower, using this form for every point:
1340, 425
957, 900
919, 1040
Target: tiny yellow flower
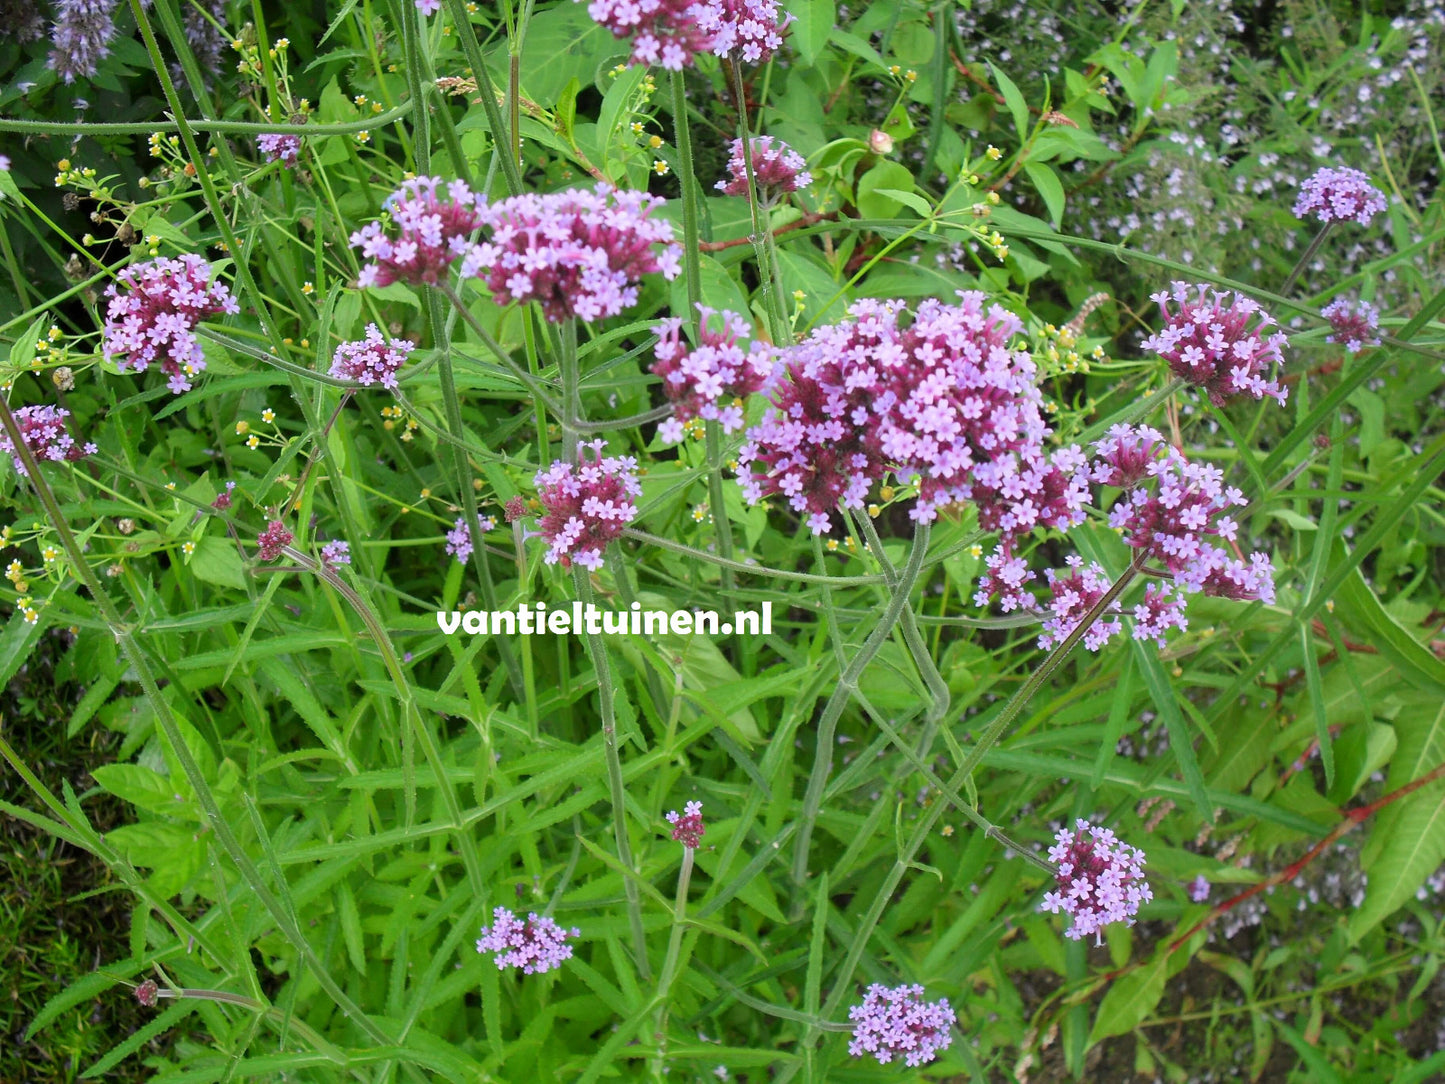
253, 442
975, 551
31, 617
188, 548
637, 127
242, 428
660, 168
308, 288
50, 553
654, 141
170, 485
54, 333
360, 99
268, 415
363, 137
993, 153
946, 831
873, 511
832, 545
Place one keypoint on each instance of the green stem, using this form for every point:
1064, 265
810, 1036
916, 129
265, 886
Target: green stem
687, 179
570, 370
772, 301
511, 170
670, 961
1305, 257
838, 700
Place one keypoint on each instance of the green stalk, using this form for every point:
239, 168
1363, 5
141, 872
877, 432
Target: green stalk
687, 178
1305, 257
570, 370
140, 665
762, 251
597, 649
511, 170
670, 961
838, 700
227, 127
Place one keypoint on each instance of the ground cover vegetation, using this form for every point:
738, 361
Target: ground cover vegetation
1025, 420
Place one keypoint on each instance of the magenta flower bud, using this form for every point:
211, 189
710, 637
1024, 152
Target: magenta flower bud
880, 142
895, 1022
1100, 880
515, 508
148, 993
535, 946
1199, 889
1219, 344
154, 307
1339, 195
273, 540
687, 827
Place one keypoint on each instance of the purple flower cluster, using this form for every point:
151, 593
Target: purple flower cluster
42, 428
587, 506
81, 37
335, 554
152, 320
222, 503
777, 170
577, 253
895, 1022
283, 147
1160, 610
273, 540
432, 222
428, 7
1171, 520
1199, 889
459, 538
1355, 324
1100, 880
535, 946
687, 827
672, 33
1339, 195
371, 360
943, 399
1073, 595
710, 380
1216, 341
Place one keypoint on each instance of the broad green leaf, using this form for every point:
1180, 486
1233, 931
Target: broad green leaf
1049, 186
885, 175
1014, 99
812, 26
217, 561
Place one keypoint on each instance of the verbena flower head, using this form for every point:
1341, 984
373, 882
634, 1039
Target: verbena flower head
459, 538
1100, 880
1160, 610
577, 253
428, 7
585, 507
895, 1022
1199, 889
273, 540
671, 33
515, 508
1073, 595
1215, 339
154, 307
534, 946
222, 503
81, 37
941, 398
335, 554
42, 428
148, 993
711, 380
284, 147
687, 827
371, 360
429, 227
777, 169
1354, 324
1339, 195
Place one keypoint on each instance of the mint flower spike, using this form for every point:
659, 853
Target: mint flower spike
535, 946
153, 310
895, 1022
1216, 341
1100, 880
1339, 195
687, 827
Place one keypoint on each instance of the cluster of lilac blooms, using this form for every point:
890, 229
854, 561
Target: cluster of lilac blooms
42, 428
586, 506
154, 307
777, 170
673, 33
1072, 596
1100, 880
459, 538
712, 379
283, 147
942, 398
337, 553
535, 946
1170, 510
371, 360
1216, 341
687, 826
432, 224
577, 253
1354, 324
895, 1022
273, 540
81, 37
1339, 195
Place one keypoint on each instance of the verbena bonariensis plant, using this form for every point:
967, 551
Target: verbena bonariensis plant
477, 847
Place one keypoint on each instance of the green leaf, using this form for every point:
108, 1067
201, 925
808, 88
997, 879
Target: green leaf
1014, 99
885, 175
1131, 998
217, 561
1359, 608
1050, 188
812, 26
140, 786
